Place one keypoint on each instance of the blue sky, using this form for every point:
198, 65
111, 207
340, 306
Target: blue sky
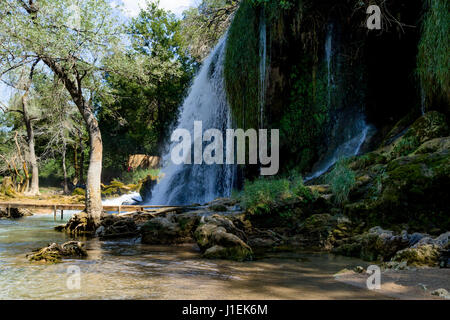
131, 9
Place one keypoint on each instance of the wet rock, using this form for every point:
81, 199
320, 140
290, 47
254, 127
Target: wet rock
79, 224
54, 253
317, 230
171, 229
116, 227
424, 255
225, 223
394, 265
375, 245
216, 242
441, 293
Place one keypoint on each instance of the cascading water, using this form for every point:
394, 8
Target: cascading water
349, 148
350, 128
206, 102
329, 57
262, 67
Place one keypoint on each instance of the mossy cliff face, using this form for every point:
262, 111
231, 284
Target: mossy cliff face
406, 183
310, 96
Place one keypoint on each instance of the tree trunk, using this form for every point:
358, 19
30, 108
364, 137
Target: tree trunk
66, 185
93, 189
94, 207
81, 177
34, 187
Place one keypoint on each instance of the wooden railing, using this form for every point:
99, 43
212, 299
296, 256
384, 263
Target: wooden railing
80, 207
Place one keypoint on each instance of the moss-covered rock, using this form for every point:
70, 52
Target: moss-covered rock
428, 127
79, 224
54, 253
216, 243
112, 227
375, 245
172, 229
425, 255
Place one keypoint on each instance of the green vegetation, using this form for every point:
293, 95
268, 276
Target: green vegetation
242, 67
433, 60
264, 194
304, 120
341, 179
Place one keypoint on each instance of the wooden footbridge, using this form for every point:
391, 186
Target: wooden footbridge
119, 209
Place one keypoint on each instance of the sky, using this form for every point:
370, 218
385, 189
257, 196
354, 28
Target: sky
132, 7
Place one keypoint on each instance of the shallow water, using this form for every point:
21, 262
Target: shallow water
129, 270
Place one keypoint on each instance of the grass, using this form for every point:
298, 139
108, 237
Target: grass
262, 195
341, 179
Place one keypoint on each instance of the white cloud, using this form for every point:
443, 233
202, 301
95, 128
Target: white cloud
132, 7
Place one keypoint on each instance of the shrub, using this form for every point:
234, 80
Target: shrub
261, 195
341, 179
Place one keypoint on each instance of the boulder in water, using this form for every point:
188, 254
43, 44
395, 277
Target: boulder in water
54, 252
375, 245
171, 229
216, 240
79, 224
116, 227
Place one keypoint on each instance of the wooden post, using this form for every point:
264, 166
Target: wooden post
119, 209
54, 212
62, 214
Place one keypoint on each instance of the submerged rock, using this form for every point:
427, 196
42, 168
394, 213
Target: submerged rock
54, 253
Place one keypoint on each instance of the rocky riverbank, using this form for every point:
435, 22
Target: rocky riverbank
396, 213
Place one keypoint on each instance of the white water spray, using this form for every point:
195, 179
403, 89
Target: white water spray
206, 102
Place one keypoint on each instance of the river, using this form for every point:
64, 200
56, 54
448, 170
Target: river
130, 270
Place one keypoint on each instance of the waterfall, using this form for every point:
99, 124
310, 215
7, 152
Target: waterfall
351, 147
328, 58
423, 102
350, 129
206, 102
262, 67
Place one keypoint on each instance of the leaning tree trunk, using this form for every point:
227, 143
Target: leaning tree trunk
34, 187
94, 207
